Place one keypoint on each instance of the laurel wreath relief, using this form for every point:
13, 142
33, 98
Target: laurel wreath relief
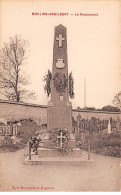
60, 82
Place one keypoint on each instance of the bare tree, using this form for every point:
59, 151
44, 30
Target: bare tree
12, 80
117, 100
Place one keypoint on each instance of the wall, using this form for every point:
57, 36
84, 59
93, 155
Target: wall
15, 111
87, 114
19, 110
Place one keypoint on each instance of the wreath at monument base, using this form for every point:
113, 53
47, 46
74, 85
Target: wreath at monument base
54, 139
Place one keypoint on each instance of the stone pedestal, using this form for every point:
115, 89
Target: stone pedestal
72, 143
59, 115
46, 152
48, 144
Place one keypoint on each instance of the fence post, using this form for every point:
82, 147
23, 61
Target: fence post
88, 149
29, 149
89, 144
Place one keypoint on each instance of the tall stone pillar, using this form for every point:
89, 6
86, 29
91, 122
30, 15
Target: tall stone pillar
59, 109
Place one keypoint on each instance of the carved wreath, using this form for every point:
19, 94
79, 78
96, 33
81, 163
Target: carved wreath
60, 82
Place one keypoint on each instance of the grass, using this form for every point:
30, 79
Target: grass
105, 144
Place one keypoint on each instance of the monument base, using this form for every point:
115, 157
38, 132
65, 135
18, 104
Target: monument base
59, 115
68, 161
46, 152
47, 143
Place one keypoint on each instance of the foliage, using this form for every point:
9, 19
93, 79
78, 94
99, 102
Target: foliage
89, 108
47, 79
86, 108
71, 86
74, 124
55, 142
12, 79
60, 82
10, 147
27, 129
117, 100
105, 144
78, 108
110, 108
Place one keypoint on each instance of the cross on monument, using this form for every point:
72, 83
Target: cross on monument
60, 39
61, 137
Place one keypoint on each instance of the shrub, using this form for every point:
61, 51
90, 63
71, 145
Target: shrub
105, 144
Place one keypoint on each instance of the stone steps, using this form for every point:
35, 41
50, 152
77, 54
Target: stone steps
35, 160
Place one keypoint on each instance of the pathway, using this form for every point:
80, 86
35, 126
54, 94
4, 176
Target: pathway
101, 175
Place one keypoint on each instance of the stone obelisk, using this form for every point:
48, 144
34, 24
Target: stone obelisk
59, 109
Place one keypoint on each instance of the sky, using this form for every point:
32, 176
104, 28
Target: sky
93, 45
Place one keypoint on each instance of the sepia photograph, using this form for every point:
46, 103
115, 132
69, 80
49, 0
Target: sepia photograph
60, 96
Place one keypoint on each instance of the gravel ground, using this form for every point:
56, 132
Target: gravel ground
101, 175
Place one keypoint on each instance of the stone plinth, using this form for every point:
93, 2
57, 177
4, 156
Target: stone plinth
59, 115
47, 143
59, 161
69, 161
72, 143
46, 152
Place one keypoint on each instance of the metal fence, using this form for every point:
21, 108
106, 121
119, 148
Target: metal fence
9, 130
